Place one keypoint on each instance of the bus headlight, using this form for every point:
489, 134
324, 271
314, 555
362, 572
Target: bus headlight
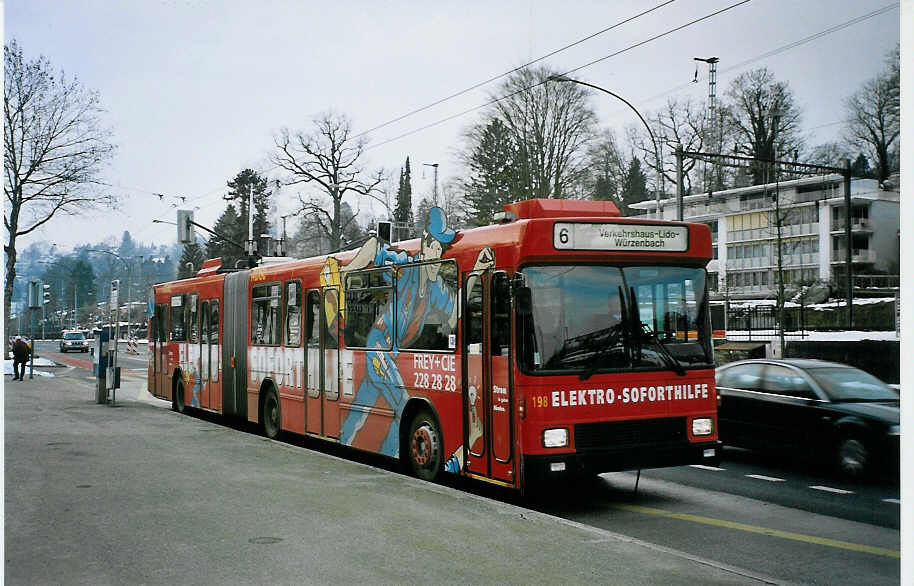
702, 426
555, 438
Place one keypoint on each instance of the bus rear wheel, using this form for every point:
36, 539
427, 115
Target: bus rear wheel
425, 446
177, 400
270, 415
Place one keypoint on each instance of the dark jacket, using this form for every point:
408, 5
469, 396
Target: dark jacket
21, 351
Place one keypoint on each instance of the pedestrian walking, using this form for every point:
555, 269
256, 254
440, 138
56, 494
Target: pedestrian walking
21, 353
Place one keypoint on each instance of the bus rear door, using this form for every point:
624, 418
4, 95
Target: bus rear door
322, 393
159, 336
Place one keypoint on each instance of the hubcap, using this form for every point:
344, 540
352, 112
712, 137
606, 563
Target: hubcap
423, 445
272, 413
853, 457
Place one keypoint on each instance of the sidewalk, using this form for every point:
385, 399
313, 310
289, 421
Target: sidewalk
139, 494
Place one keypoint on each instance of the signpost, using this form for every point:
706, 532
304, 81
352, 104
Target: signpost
112, 376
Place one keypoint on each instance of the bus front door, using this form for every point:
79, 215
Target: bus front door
488, 400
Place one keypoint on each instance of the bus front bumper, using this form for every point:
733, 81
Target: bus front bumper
595, 461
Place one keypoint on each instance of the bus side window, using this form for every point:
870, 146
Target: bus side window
265, 314
178, 319
192, 318
213, 339
501, 315
369, 295
436, 327
473, 318
214, 322
292, 310
312, 337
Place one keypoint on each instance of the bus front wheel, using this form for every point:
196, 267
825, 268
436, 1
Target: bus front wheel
425, 446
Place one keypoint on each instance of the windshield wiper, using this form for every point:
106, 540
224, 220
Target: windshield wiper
652, 335
615, 332
667, 356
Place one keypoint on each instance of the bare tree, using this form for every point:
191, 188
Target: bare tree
680, 122
606, 170
552, 124
329, 157
54, 149
765, 119
874, 118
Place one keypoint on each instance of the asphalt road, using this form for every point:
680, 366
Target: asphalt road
136, 493
781, 521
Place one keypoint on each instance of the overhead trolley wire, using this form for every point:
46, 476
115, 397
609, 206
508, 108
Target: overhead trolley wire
786, 47
537, 60
614, 54
761, 56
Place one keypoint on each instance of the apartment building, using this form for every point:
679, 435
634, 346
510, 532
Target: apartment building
811, 214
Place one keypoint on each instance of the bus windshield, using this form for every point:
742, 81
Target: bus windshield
587, 319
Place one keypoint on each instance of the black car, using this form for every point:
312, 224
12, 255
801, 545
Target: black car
811, 408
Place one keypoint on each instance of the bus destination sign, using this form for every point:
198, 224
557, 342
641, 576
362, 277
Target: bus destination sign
640, 237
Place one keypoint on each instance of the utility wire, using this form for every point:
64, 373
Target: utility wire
491, 79
785, 48
767, 54
619, 52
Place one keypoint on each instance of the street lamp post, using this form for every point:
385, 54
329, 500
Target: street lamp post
129, 271
562, 78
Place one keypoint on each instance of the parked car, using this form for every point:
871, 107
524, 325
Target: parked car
74, 341
813, 408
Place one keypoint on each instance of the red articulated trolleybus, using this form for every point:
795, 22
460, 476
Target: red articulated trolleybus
565, 339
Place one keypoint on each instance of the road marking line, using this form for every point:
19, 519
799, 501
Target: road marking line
704, 467
892, 501
811, 539
768, 478
830, 489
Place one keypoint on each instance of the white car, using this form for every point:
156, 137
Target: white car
74, 341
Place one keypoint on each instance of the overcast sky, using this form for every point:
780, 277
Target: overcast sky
196, 90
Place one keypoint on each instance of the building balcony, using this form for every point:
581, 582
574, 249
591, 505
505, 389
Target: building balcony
839, 255
857, 225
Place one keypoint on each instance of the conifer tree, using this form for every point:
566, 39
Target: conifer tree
494, 175
634, 186
191, 260
403, 214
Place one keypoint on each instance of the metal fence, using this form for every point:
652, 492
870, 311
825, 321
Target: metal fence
760, 322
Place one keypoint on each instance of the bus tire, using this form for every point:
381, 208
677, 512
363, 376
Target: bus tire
270, 415
177, 398
425, 446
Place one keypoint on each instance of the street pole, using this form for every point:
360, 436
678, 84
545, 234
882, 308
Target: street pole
679, 185
849, 257
562, 78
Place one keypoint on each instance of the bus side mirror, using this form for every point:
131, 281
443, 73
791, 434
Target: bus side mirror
523, 299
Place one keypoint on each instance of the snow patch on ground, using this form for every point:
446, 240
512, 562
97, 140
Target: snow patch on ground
8, 367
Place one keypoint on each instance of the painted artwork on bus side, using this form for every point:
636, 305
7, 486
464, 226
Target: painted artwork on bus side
424, 312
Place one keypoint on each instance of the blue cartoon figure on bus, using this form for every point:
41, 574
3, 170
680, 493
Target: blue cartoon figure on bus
421, 315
